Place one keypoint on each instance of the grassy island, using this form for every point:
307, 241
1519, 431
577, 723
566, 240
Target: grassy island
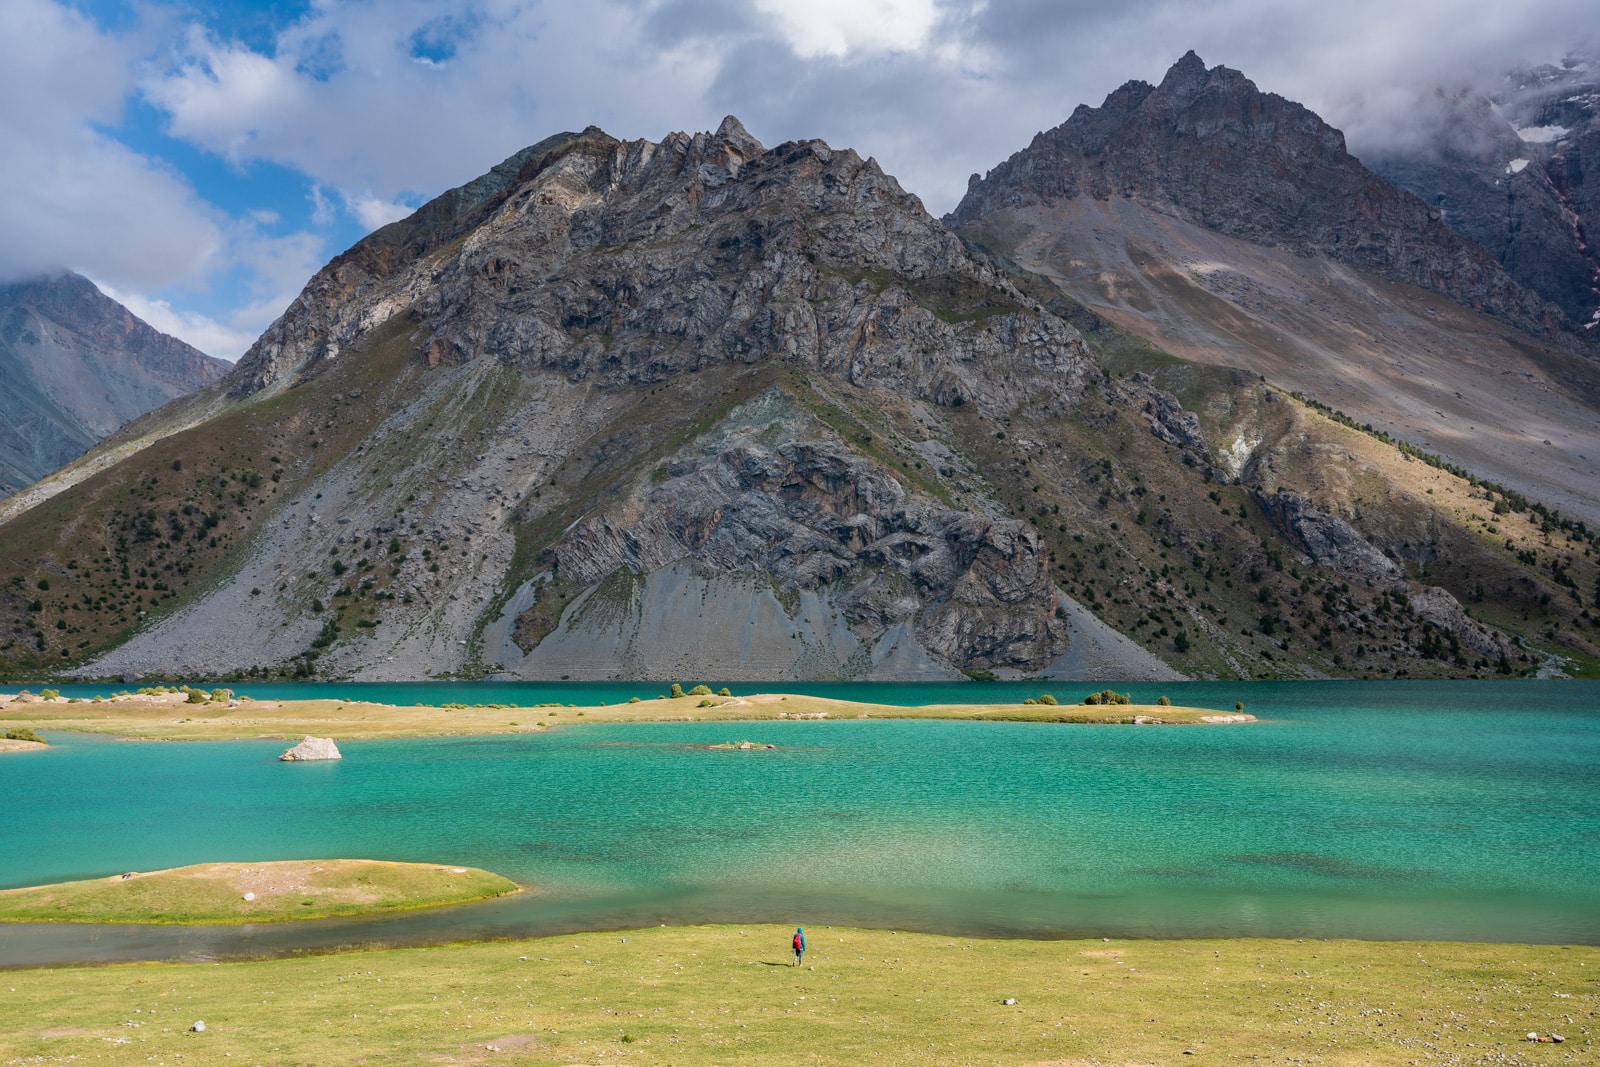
725, 995
175, 717
279, 891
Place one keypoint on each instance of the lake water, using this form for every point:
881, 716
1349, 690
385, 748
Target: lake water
1382, 810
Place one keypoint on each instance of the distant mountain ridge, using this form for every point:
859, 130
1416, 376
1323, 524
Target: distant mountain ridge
1209, 147
74, 366
1518, 171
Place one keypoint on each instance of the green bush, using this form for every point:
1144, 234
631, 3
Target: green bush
1164, 702
1107, 696
700, 691
1029, 700
1046, 698
677, 690
1239, 706
723, 692
22, 733
633, 700
222, 694
50, 694
706, 703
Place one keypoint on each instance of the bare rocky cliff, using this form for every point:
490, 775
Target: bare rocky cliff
1209, 147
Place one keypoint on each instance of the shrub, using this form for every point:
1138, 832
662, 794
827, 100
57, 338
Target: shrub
1046, 698
1029, 700
1164, 702
1107, 696
1239, 706
723, 692
196, 696
700, 691
706, 704
22, 733
1092, 698
50, 694
222, 694
677, 690
633, 700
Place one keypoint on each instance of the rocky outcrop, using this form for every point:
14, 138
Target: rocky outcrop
312, 748
74, 366
1329, 540
1333, 543
1211, 148
774, 494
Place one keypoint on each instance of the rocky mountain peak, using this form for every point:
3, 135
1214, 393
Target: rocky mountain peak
621, 262
1208, 146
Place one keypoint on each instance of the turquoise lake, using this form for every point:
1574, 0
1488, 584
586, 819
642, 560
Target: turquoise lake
1364, 809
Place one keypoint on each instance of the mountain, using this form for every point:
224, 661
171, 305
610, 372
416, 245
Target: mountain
698, 408
75, 365
1229, 225
1517, 171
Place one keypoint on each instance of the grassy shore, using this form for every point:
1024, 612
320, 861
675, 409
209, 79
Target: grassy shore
279, 891
724, 995
169, 717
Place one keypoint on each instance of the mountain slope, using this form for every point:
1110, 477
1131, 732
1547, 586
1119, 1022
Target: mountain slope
698, 407
74, 366
1228, 225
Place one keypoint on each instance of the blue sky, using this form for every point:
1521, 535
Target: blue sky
202, 159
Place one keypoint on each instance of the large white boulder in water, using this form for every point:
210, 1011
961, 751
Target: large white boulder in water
313, 748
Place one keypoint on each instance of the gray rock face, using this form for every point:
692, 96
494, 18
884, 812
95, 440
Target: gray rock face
1328, 539
1209, 147
76, 365
312, 748
621, 263
776, 496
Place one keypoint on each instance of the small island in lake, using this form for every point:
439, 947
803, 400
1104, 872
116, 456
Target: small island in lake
180, 713
277, 891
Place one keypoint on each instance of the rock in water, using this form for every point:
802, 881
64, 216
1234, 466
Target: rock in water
312, 748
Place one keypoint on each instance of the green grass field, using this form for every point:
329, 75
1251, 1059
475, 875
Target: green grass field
726, 995
281, 891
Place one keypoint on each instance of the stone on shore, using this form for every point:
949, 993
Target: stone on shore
312, 748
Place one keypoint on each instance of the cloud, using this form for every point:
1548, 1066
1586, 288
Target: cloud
836, 28
374, 212
71, 196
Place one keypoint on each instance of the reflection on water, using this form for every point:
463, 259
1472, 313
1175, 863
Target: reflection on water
1385, 811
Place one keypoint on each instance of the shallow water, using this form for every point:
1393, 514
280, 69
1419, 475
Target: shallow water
1431, 810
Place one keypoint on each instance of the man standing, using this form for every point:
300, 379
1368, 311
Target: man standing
799, 945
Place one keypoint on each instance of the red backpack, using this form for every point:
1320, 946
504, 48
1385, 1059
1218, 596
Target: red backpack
797, 942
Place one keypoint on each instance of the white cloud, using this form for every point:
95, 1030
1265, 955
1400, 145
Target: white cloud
836, 28
70, 196
373, 212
